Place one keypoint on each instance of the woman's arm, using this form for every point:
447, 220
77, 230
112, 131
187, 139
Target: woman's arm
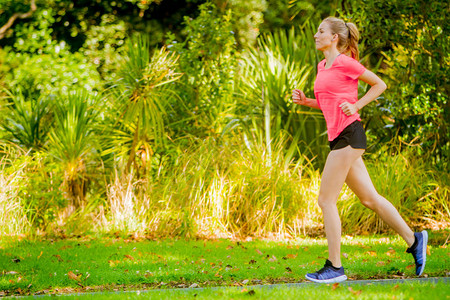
299, 98
377, 88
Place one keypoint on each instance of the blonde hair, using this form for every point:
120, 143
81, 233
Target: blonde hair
348, 36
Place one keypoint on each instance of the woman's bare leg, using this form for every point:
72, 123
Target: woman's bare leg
358, 180
334, 175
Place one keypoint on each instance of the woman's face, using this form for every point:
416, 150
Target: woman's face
324, 37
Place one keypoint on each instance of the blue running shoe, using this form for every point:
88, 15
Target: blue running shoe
419, 251
328, 274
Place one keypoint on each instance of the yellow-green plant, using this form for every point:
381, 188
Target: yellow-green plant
141, 100
13, 217
73, 141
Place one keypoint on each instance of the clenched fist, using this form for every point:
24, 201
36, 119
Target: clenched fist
298, 97
348, 108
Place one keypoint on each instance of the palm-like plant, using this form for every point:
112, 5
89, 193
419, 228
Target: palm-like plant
73, 141
27, 121
142, 96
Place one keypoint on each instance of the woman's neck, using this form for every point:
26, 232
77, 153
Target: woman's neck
330, 55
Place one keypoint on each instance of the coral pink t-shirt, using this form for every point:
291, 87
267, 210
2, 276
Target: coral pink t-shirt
335, 85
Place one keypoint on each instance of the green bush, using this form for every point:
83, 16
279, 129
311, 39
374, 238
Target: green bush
410, 37
208, 61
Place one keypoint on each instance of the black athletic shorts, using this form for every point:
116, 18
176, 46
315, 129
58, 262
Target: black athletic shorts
353, 135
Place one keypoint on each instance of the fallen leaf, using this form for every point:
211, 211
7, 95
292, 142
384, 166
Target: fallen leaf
40, 255
259, 252
291, 255
193, 286
428, 251
229, 247
356, 293
335, 286
65, 247
11, 273
113, 263
245, 281
372, 253
410, 267
289, 269
252, 262
390, 252
273, 258
129, 257
380, 263
73, 276
58, 257
251, 292
345, 255
395, 287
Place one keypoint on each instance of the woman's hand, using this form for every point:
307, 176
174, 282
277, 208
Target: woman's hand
298, 97
348, 108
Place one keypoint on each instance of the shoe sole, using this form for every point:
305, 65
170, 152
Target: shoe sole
424, 251
332, 280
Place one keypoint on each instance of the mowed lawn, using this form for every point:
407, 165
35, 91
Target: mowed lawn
115, 264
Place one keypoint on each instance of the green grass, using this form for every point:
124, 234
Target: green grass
93, 264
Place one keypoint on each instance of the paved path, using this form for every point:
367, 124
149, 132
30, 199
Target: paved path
271, 286
365, 282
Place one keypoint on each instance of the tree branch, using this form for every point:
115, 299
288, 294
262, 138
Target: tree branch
16, 16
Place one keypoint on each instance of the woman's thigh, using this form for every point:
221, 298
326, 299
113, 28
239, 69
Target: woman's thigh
335, 172
358, 180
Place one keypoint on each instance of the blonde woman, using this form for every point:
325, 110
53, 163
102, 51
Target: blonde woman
336, 94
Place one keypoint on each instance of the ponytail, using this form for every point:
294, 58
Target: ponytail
348, 36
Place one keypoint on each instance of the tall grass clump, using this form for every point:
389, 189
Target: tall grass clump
222, 191
13, 217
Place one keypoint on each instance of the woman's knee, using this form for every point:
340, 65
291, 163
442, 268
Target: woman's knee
326, 202
370, 200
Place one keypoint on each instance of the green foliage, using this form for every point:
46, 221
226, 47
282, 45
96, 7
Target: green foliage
284, 14
30, 190
410, 35
142, 98
73, 141
247, 18
104, 46
40, 191
208, 62
27, 122
208, 125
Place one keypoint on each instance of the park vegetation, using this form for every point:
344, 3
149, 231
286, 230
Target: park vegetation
173, 118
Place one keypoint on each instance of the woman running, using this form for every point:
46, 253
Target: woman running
336, 94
